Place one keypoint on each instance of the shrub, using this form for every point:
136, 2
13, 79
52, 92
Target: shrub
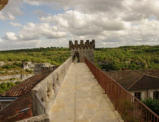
6, 86
153, 104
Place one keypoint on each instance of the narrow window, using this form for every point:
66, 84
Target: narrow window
138, 95
156, 95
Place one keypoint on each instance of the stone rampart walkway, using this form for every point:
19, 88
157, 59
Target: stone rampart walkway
81, 99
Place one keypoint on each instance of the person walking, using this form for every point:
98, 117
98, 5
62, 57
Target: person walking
76, 55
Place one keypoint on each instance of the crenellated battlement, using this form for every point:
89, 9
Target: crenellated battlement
82, 45
82, 49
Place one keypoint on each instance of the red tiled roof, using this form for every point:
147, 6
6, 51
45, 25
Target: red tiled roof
22, 107
152, 72
126, 77
144, 79
17, 110
26, 86
146, 82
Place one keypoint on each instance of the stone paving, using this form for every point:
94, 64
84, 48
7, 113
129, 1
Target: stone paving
81, 99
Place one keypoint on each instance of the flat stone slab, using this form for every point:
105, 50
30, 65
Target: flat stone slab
81, 99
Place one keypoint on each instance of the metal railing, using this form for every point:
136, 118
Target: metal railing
130, 108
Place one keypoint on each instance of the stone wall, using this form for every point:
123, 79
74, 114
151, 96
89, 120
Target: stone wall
45, 92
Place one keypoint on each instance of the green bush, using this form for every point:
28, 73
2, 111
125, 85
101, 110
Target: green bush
29, 71
6, 86
153, 104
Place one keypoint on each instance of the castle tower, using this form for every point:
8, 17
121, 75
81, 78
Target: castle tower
84, 49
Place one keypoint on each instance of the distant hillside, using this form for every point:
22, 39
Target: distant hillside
11, 61
122, 58
52, 55
128, 57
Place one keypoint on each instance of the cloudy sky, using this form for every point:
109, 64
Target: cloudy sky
112, 23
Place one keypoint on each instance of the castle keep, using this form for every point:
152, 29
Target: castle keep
85, 49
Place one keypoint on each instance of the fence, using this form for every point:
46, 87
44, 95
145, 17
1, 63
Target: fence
130, 108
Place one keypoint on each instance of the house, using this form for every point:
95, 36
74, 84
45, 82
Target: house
146, 87
38, 67
140, 84
42, 67
16, 104
28, 65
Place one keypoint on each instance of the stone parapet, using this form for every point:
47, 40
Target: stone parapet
45, 92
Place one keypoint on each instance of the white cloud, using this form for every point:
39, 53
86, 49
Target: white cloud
80, 24
33, 31
15, 24
1, 40
8, 44
82, 5
111, 23
141, 9
10, 36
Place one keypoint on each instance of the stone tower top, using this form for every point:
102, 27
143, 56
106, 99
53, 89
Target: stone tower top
82, 50
87, 45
